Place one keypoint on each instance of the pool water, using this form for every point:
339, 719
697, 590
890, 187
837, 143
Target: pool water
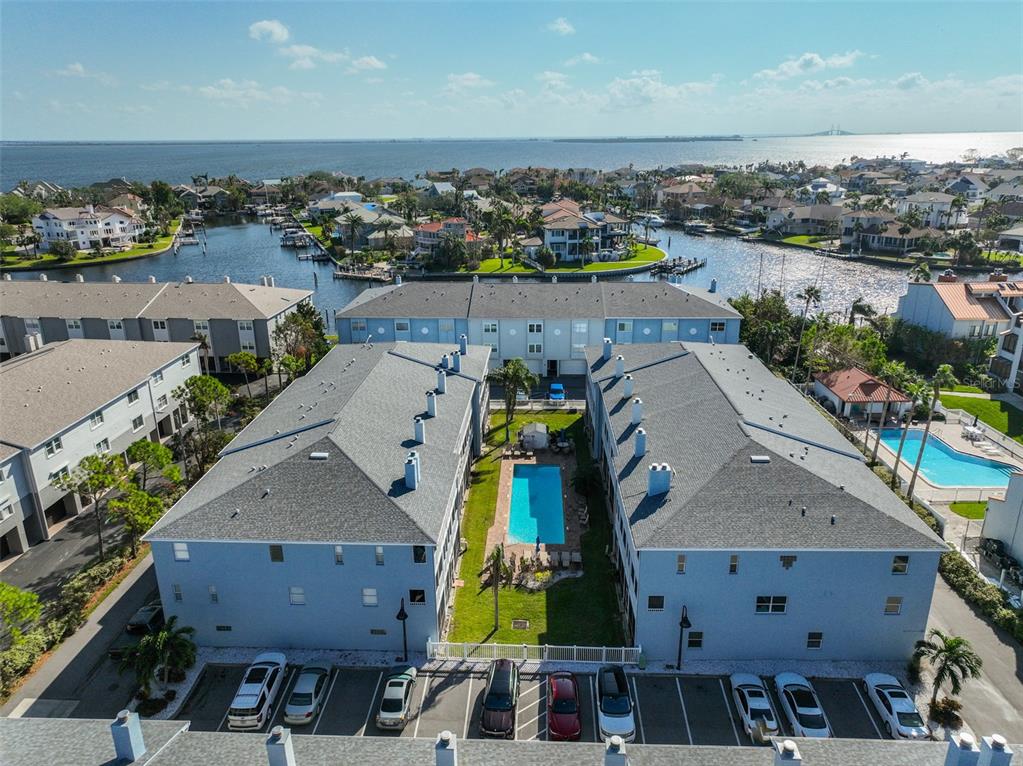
536, 508
944, 466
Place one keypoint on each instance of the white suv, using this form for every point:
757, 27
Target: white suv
253, 702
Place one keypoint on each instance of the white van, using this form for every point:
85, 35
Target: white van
254, 700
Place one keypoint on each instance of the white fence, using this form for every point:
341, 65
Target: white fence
536, 405
470, 652
991, 433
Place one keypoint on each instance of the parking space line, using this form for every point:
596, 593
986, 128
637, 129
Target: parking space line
731, 718
319, 716
685, 716
521, 724
280, 700
596, 718
468, 710
869, 712
422, 700
639, 711
527, 707
373, 699
224, 719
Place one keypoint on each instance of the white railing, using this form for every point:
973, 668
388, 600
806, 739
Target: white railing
472, 652
534, 405
991, 433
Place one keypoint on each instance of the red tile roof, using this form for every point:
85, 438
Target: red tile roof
855, 385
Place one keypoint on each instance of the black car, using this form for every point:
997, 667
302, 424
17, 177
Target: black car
500, 700
148, 619
992, 549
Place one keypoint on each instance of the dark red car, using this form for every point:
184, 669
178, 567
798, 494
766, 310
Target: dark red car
563, 717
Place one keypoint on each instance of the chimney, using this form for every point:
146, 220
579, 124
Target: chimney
30, 343
419, 429
115, 279
619, 366
43, 278
593, 278
446, 749
456, 362
640, 442
463, 344
658, 479
947, 276
963, 752
279, 750
637, 411
515, 280
614, 752
442, 381
188, 279
127, 733
714, 285
608, 348
627, 387
476, 278
397, 279
227, 280
786, 752
431, 403
412, 470
151, 280
997, 276
445, 362
994, 751
79, 278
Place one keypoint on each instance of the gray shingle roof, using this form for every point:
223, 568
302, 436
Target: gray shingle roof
707, 410
357, 405
538, 300
44, 392
75, 741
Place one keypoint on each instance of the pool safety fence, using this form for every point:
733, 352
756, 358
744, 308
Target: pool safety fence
992, 434
473, 652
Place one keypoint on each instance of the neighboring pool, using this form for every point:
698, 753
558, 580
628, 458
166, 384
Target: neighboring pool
536, 509
944, 466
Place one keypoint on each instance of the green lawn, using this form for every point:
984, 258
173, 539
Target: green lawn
812, 241
961, 389
47, 261
580, 611
499, 266
1000, 415
969, 510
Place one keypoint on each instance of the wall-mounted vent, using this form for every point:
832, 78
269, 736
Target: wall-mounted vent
319, 455
760, 458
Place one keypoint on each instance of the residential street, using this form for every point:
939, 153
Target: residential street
994, 702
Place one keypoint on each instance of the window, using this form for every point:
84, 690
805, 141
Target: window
680, 564
224, 628
177, 593
900, 565
54, 446
814, 639
417, 597
490, 327
380, 555
214, 598
115, 324
717, 326
625, 327
655, 603
369, 596
186, 360
96, 420
893, 605
6, 511
133, 396
277, 553
157, 378
161, 403
402, 326
377, 632
245, 325
358, 325
581, 328
535, 348
669, 329
419, 554
248, 345
181, 552
201, 325
137, 423
339, 554
733, 564
771, 604
60, 472
787, 561
103, 446
534, 327
296, 596
695, 640
159, 324
74, 324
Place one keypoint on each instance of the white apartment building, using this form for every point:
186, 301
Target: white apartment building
94, 225
971, 310
936, 210
70, 399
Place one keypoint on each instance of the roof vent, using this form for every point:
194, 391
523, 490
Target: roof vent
188, 280
628, 387
637, 411
319, 455
760, 458
832, 519
619, 366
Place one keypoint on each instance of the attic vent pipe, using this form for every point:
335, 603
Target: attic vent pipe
637, 411
463, 344
419, 430
445, 362
431, 404
412, 470
640, 442
442, 381
608, 347
456, 362
619, 366
628, 386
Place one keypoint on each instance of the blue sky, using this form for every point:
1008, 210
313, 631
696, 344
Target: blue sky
249, 70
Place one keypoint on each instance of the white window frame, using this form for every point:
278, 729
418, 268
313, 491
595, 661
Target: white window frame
733, 564
900, 564
157, 377
160, 324
181, 552
73, 324
162, 403
402, 325
103, 446
245, 325
680, 564
178, 596
770, 605
141, 423
53, 446
186, 360
893, 606
339, 555
379, 555
490, 327
214, 596
296, 596
815, 637
370, 597
534, 348
133, 396
534, 328
718, 326
95, 420
201, 325
357, 325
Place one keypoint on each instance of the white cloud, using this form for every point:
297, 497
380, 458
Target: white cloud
835, 82
582, 58
364, 63
561, 26
910, 81
647, 87
269, 29
307, 56
77, 70
136, 109
554, 80
245, 93
458, 83
808, 63
164, 86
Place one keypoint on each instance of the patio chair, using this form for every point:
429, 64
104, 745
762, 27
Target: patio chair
577, 559
566, 560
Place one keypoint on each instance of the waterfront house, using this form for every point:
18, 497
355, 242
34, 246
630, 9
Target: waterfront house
39, 190
956, 309
880, 231
65, 400
564, 232
1011, 239
428, 236
969, 185
232, 317
89, 227
130, 203
853, 393
372, 216
734, 501
439, 189
809, 192
937, 210
203, 197
1007, 191
385, 434
547, 324
264, 193
805, 220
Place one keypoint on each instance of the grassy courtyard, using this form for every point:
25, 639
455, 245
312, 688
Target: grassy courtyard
1001, 415
577, 611
969, 510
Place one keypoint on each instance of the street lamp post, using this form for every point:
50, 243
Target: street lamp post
683, 626
402, 617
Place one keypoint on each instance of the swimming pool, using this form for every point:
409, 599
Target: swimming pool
536, 509
944, 466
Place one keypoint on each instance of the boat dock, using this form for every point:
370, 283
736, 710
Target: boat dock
678, 266
368, 275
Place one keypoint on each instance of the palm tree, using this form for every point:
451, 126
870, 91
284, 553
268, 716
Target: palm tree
499, 571
204, 348
810, 294
170, 648
354, 223
905, 229
915, 392
893, 374
585, 247
943, 379
921, 272
513, 377
951, 657
860, 307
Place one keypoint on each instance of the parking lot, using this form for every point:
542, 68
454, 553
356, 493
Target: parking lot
671, 709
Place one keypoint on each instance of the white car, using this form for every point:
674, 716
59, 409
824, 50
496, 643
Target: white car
308, 694
801, 707
614, 704
396, 703
895, 706
253, 702
754, 707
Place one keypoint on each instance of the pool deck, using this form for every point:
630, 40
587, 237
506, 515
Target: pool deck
570, 499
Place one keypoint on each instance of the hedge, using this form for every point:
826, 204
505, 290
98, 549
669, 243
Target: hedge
987, 597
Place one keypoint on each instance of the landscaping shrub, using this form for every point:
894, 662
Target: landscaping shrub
988, 598
175, 675
151, 707
946, 711
913, 670
170, 694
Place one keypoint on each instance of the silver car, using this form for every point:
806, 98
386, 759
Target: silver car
308, 695
396, 702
